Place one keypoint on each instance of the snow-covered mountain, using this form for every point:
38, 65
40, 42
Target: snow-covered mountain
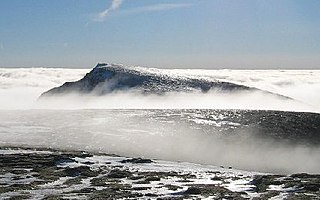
106, 78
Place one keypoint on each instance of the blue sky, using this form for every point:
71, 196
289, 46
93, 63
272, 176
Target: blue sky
250, 34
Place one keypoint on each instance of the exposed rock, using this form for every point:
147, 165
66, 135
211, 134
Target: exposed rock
117, 173
192, 190
136, 160
80, 171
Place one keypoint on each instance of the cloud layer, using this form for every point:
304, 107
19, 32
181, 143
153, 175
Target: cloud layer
27, 85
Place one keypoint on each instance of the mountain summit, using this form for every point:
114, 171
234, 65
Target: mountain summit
106, 78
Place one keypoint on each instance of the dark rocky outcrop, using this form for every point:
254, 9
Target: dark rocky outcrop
136, 160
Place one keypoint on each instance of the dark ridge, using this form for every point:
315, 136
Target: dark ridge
106, 78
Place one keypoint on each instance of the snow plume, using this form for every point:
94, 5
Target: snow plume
114, 6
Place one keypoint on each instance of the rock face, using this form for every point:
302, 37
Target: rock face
106, 78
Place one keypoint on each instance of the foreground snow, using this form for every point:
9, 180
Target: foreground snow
43, 173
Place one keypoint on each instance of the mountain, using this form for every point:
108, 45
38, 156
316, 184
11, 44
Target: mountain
106, 78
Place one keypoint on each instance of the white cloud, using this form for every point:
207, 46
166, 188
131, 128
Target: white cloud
1, 46
114, 6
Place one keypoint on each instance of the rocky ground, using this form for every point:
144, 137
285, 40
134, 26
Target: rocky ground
51, 174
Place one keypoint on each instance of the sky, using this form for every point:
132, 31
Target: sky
211, 34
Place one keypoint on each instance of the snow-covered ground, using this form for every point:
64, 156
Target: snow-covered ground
197, 132
72, 173
45, 173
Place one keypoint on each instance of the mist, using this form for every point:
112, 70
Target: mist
145, 133
195, 100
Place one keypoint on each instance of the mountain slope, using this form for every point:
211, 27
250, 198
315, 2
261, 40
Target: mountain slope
106, 78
